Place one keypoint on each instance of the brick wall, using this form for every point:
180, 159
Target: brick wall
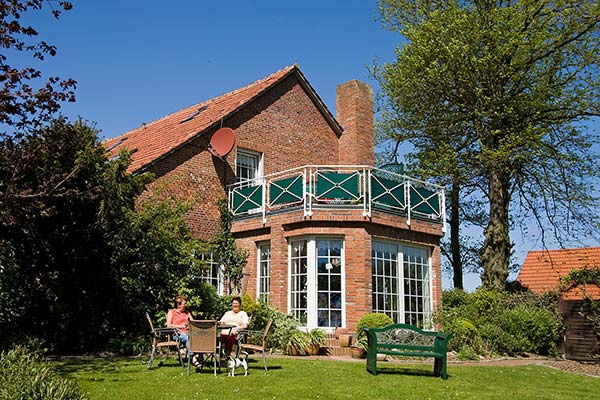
283, 124
357, 232
354, 108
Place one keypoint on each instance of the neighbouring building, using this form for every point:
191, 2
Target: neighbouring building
330, 237
541, 272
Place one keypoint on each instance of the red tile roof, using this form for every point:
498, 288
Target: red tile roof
153, 140
542, 269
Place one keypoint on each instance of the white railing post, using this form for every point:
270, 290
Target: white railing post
367, 192
407, 202
443, 208
308, 194
264, 200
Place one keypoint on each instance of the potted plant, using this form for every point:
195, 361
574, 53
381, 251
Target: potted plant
297, 343
316, 339
359, 350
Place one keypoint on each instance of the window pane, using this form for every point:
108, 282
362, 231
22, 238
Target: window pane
336, 282
336, 300
323, 282
323, 300
336, 319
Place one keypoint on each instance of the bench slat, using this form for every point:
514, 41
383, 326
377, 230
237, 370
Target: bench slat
404, 347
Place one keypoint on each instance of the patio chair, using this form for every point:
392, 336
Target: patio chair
203, 340
261, 336
163, 339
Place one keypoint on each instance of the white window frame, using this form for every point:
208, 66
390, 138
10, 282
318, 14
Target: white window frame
312, 284
251, 154
260, 293
402, 250
208, 274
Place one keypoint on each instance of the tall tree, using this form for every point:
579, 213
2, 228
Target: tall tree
21, 104
77, 245
500, 89
58, 194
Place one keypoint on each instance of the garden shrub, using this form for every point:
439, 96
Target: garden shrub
464, 332
26, 376
467, 353
220, 306
284, 325
493, 322
371, 320
486, 302
249, 304
539, 329
500, 341
454, 298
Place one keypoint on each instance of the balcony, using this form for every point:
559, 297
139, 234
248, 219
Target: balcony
338, 187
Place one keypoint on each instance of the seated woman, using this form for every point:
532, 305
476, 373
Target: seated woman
178, 317
235, 317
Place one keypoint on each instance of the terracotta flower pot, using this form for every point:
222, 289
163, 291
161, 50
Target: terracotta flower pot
313, 349
296, 352
345, 340
358, 352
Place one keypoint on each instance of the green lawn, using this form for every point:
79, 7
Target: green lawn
299, 378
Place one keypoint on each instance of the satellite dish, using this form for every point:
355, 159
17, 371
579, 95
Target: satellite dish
222, 142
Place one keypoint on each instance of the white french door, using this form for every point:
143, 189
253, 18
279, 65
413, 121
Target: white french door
316, 284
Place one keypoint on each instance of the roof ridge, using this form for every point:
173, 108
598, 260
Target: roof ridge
252, 84
565, 250
207, 101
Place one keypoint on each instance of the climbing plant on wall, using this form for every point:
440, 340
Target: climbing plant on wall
232, 257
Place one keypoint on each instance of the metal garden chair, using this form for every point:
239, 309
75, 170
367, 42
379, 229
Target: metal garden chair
163, 339
261, 347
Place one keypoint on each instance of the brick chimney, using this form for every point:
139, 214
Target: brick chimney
354, 109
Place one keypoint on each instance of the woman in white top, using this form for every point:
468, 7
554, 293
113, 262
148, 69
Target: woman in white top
235, 317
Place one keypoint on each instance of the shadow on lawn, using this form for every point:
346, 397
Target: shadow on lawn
97, 366
109, 365
404, 371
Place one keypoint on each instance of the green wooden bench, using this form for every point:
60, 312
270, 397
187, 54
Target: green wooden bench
410, 341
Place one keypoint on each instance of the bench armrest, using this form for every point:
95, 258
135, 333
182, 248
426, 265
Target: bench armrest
441, 341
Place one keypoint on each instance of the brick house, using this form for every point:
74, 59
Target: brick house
541, 272
330, 237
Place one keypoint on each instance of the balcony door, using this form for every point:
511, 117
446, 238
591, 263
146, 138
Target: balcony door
316, 284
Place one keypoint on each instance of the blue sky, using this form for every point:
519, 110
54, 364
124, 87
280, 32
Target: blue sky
136, 61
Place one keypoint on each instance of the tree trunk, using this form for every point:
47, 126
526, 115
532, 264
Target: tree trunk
457, 265
496, 249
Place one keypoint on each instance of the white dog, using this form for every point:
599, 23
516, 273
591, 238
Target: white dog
233, 363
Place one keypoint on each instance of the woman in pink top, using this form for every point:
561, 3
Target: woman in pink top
178, 317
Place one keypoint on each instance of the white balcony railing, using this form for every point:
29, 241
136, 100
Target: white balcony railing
338, 186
